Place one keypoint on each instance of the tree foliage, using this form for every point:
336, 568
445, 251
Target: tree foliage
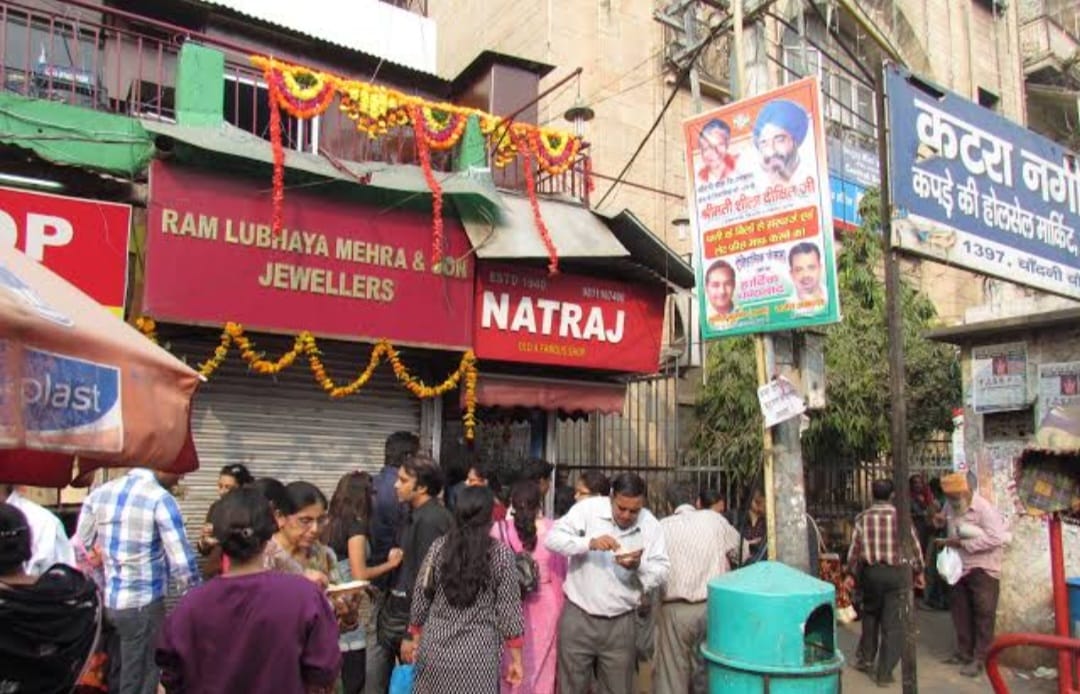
855, 422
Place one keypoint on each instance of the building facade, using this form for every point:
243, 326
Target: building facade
321, 233
630, 51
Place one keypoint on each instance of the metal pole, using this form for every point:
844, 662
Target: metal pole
898, 433
1061, 602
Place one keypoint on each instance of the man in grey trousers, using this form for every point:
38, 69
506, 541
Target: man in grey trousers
698, 542
617, 556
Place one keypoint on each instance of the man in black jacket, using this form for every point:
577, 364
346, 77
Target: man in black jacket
419, 482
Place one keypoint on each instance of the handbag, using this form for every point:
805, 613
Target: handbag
528, 572
401, 679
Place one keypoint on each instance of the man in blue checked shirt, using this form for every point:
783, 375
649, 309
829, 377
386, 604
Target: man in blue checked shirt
137, 525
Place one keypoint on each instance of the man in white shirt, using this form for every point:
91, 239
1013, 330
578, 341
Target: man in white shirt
49, 543
617, 555
698, 542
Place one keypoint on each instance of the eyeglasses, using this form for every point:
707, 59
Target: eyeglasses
307, 521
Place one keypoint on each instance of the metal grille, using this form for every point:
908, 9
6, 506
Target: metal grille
644, 435
285, 426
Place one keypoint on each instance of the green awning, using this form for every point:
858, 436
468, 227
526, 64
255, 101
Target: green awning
75, 135
397, 179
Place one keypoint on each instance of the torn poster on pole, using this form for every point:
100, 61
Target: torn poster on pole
780, 401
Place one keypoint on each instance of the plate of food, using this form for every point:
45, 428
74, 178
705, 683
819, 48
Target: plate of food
350, 587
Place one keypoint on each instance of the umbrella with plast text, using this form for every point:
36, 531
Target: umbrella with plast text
76, 382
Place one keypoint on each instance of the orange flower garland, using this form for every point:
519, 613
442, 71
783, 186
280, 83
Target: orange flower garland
277, 196
424, 151
305, 93
306, 345
538, 219
555, 151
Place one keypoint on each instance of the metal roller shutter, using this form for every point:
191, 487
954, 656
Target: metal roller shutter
285, 426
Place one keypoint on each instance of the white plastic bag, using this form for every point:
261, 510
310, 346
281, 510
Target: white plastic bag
949, 566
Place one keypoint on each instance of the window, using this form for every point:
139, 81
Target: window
988, 99
847, 102
50, 60
247, 106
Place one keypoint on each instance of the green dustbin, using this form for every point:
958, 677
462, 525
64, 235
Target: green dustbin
771, 630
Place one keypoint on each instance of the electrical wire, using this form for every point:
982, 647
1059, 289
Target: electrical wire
684, 74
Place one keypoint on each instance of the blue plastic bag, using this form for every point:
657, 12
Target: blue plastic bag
401, 679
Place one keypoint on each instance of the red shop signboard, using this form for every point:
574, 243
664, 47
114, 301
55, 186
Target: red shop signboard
83, 241
340, 269
527, 315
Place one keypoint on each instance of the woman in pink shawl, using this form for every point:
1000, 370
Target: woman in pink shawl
525, 530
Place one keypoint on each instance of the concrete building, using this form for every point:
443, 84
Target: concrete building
629, 50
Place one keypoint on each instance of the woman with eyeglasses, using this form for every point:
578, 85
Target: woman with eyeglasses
251, 630
295, 547
232, 476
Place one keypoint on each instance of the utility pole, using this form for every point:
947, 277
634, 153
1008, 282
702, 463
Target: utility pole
898, 430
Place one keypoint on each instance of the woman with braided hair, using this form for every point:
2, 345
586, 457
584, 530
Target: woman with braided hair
526, 532
51, 622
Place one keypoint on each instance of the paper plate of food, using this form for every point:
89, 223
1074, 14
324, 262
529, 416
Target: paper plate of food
349, 588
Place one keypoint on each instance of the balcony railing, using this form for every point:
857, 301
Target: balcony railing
1046, 42
110, 60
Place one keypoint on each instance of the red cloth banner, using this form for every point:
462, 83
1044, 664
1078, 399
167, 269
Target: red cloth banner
527, 315
83, 241
339, 269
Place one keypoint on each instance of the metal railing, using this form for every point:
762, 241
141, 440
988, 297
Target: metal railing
110, 60
834, 489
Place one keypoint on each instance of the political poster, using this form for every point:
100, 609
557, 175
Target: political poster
999, 377
1059, 386
974, 189
761, 214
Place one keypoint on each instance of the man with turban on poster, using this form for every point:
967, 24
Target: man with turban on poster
779, 133
976, 530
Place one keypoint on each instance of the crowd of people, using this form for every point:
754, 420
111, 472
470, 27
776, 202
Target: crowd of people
286, 591
472, 584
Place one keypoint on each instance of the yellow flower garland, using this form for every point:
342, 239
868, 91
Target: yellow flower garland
305, 344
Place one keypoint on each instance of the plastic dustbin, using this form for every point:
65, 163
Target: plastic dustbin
1074, 606
771, 630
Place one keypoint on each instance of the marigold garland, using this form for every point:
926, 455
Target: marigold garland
423, 150
305, 344
538, 219
305, 93
277, 196
555, 151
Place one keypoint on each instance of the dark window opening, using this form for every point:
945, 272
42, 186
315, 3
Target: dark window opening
988, 99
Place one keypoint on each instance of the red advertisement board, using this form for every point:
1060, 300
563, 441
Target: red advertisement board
527, 315
83, 241
339, 269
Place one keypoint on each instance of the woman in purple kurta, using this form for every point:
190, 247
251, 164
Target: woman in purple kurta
251, 630
526, 531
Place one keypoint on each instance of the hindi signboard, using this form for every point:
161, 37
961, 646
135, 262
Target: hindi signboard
999, 377
976, 190
762, 214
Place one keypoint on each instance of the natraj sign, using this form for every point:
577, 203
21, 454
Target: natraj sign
83, 241
527, 315
339, 268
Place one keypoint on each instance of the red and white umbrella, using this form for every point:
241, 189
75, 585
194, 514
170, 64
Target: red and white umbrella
78, 382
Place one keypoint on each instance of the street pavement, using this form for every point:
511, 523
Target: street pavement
935, 643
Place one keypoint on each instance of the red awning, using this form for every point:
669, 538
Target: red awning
550, 394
